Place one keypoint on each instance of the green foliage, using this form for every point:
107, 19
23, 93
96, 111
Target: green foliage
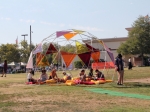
25, 51
13, 52
139, 38
78, 64
9, 52
68, 48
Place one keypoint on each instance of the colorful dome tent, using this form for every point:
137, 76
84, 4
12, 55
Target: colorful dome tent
73, 38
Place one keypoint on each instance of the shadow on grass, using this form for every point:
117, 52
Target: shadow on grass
114, 85
132, 85
138, 84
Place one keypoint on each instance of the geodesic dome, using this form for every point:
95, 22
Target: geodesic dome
80, 41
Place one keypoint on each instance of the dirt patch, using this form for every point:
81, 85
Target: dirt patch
145, 80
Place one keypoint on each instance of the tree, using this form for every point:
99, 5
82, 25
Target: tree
139, 38
9, 52
68, 48
25, 50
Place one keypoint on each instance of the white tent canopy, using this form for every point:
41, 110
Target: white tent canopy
17, 64
22, 63
1, 64
13, 64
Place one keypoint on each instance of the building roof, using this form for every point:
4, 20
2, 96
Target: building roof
129, 29
116, 39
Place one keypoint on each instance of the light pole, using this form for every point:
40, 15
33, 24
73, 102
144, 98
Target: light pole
30, 37
24, 35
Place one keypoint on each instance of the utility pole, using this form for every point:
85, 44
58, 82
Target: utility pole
24, 36
30, 38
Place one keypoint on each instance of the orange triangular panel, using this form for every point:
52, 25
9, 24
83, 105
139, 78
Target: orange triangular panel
51, 49
69, 35
43, 62
39, 56
95, 56
68, 57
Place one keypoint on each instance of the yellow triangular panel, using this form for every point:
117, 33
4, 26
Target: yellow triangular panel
44, 62
69, 35
78, 31
81, 48
101, 42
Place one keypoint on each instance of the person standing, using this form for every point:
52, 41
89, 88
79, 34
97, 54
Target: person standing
4, 68
129, 64
119, 68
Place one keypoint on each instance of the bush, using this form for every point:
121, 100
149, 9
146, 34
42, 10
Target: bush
78, 64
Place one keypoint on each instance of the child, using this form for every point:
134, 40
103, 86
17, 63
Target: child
29, 77
82, 75
65, 77
99, 74
90, 75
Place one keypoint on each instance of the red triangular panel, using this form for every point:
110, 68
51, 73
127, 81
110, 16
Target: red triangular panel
51, 49
91, 48
85, 57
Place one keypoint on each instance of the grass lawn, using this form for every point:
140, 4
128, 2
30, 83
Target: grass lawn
16, 96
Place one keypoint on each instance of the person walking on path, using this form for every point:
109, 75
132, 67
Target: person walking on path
119, 68
4, 68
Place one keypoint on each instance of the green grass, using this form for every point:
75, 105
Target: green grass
16, 96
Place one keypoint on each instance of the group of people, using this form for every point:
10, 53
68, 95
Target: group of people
66, 76
43, 77
91, 75
119, 68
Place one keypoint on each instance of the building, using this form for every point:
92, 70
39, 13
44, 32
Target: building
113, 44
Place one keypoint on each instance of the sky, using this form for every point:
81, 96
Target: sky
102, 18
